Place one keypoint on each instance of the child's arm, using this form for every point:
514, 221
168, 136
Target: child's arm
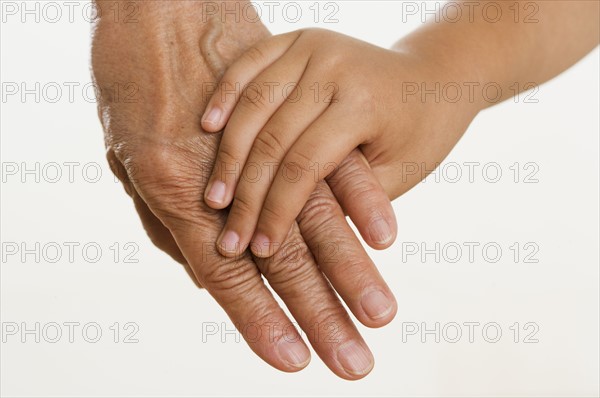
508, 41
395, 105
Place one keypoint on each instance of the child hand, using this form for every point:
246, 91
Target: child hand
341, 94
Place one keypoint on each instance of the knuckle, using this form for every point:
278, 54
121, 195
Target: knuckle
362, 191
115, 165
356, 269
353, 180
254, 55
170, 181
227, 161
242, 206
321, 210
350, 168
152, 162
264, 315
238, 277
268, 145
253, 97
119, 171
293, 171
229, 83
330, 321
291, 266
272, 212
303, 157
299, 164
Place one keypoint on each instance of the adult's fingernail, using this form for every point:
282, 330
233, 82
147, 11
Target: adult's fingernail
355, 358
212, 116
230, 242
376, 304
295, 354
380, 231
216, 193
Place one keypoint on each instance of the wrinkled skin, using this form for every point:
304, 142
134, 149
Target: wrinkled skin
156, 147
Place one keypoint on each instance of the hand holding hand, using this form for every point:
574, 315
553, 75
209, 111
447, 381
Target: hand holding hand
156, 147
346, 94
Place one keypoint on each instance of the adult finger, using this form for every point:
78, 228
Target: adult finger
296, 278
363, 198
169, 183
344, 261
159, 235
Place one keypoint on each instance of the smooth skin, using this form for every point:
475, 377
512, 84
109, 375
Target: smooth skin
371, 104
156, 147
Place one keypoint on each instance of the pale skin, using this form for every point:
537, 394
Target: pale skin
371, 105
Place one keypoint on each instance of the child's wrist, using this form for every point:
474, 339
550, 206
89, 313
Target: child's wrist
440, 77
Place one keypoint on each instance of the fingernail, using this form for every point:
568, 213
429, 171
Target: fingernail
217, 192
261, 245
295, 354
355, 358
230, 242
380, 231
212, 116
376, 304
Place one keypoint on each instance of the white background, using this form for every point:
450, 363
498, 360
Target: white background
558, 214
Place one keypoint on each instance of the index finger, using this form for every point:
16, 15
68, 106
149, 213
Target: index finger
241, 73
174, 195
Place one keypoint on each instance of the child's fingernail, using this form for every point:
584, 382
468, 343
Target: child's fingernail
230, 242
380, 231
261, 245
212, 116
216, 193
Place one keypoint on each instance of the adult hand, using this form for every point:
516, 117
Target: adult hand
153, 74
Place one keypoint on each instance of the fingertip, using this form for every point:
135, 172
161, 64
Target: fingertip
261, 246
212, 119
228, 243
210, 128
215, 205
266, 241
294, 354
379, 307
381, 233
215, 195
356, 360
